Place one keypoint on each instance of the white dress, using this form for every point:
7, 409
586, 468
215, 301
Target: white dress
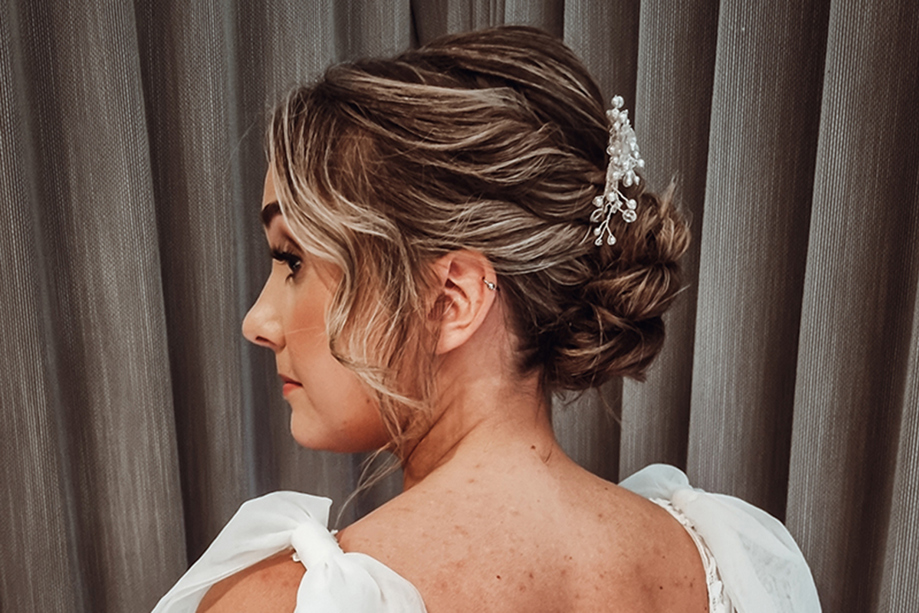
752, 564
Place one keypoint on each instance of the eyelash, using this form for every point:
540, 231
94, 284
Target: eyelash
294, 262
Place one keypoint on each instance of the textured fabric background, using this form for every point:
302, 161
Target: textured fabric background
136, 419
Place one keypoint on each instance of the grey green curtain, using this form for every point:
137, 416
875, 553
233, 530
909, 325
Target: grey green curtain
135, 419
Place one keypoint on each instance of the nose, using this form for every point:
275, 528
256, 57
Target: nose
261, 325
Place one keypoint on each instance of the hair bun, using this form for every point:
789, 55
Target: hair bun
614, 326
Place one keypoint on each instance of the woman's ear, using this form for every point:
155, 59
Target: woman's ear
466, 290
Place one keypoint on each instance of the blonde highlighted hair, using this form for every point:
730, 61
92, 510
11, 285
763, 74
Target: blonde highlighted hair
492, 141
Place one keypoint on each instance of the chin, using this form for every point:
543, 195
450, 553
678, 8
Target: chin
340, 441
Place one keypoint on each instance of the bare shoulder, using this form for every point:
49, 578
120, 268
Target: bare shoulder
397, 532
269, 586
448, 542
667, 564
645, 554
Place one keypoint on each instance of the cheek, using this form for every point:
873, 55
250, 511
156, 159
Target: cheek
307, 341
335, 411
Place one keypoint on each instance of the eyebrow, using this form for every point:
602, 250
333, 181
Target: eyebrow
269, 212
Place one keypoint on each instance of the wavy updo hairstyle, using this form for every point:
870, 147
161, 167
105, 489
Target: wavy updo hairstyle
492, 141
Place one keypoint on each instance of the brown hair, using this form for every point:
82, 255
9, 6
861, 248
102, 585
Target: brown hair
492, 141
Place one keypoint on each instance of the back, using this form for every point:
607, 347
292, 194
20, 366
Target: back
551, 539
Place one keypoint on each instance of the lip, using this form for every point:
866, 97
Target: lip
289, 385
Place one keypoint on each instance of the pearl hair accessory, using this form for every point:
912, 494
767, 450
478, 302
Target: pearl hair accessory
623, 160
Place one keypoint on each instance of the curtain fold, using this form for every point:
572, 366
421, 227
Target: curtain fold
95, 325
754, 244
857, 321
37, 526
131, 169
186, 66
672, 113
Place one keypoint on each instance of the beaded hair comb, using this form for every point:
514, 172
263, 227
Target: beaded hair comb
623, 160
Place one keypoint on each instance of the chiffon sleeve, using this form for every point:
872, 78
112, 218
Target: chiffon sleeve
334, 581
761, 566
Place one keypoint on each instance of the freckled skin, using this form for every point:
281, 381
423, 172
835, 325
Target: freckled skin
558, 554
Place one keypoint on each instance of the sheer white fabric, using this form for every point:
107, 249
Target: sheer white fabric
336, 582
752, 563
760, 565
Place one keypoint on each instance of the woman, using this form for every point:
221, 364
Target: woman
457, 233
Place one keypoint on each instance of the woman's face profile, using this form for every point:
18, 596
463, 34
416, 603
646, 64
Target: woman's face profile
330, 408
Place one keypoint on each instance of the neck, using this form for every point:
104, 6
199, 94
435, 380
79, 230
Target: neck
483, 410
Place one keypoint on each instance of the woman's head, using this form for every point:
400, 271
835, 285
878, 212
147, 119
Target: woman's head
492, 142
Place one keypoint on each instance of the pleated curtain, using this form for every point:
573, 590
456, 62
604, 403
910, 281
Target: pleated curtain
135, 418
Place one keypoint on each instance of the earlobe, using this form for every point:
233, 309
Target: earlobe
466, 292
